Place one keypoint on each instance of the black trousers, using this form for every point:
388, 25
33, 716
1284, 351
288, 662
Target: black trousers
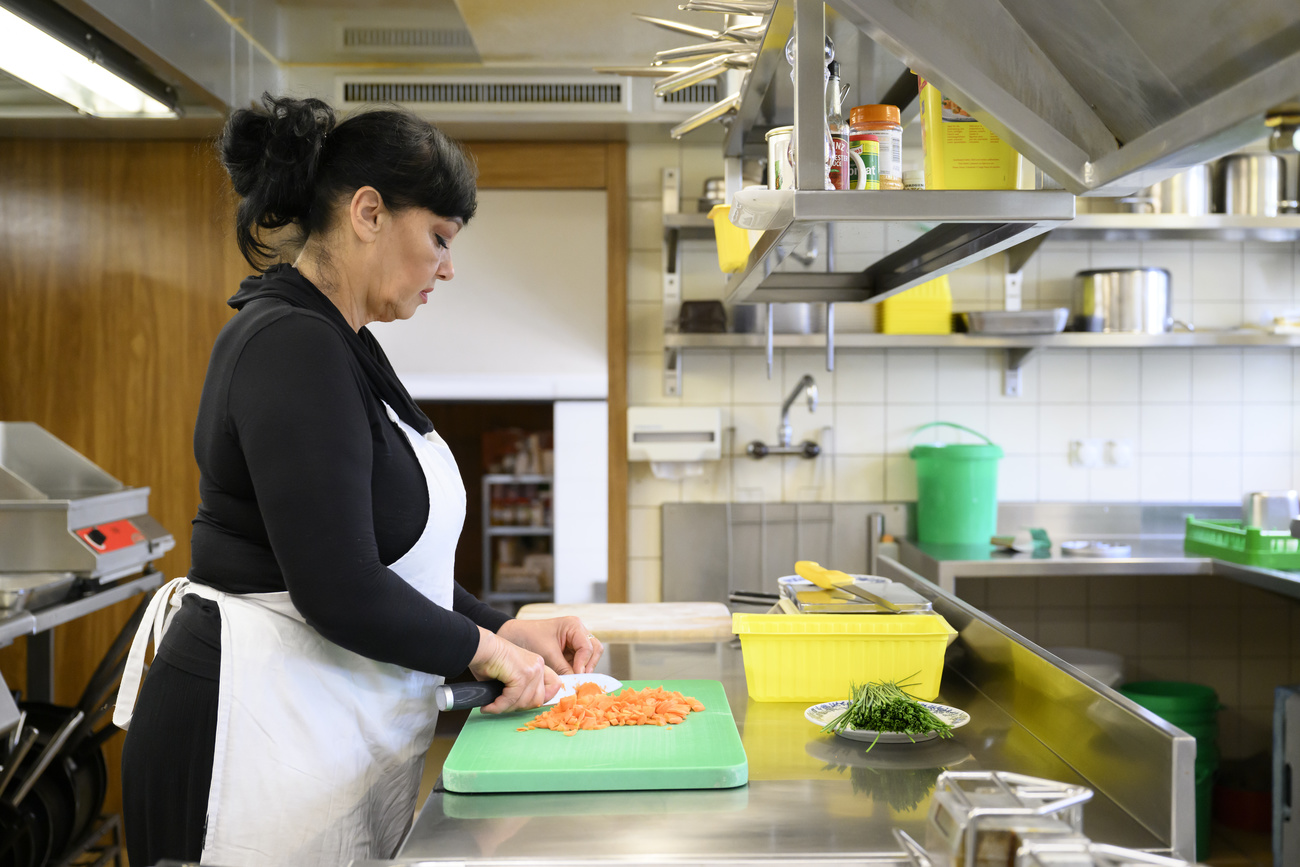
167, 756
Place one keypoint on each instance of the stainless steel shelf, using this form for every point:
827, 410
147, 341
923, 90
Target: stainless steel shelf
19, 623
1179, 227
1067, 340
507, 479
519, 531
935, 232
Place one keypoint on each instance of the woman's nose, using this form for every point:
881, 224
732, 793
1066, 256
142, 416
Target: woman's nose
446, 271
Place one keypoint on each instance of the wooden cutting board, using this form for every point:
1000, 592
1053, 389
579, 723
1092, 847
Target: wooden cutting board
702, 752
643, 621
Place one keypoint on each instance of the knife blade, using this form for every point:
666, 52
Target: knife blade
462, 696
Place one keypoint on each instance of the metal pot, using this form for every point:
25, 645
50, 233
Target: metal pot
1131, 300
787, 318
1251, 184
1188, 192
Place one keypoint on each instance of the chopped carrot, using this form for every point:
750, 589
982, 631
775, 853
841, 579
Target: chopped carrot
591, 709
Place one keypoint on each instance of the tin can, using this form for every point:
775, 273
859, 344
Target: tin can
780, 171
869, 150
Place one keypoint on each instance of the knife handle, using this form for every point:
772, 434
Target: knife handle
460, 696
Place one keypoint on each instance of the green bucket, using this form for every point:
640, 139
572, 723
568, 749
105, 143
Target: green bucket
956, 489
1194, 708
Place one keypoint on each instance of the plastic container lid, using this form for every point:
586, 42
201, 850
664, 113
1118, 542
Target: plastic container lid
874, 114
914, 178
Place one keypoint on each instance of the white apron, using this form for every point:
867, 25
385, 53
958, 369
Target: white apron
319, 750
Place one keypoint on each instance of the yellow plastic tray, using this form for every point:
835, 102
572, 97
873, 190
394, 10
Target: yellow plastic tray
817, 657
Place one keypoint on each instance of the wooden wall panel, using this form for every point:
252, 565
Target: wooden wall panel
115, 262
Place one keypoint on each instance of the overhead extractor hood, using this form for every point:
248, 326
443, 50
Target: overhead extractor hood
1103, 96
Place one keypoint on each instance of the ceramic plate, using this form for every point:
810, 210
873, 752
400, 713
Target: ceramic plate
821, 714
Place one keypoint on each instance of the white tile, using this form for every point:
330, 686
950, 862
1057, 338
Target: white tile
808, 480
1267, 375
1263, 313
1216, 375
1059, 482
699, 162
1029, 368
645, 164
963, 376
644, 534
1176, 258
645, 327
910, 376
1116, 421
702, 277
1216, 271
859, 429
1216, 479
1166, 429
754, 422
706, 378
1266, 472
812, 362
1056, 269
645, 224
1058, 424
970, 286
969, 415
1295, 375
1267, 273
1165, 478
899, 234
755, 481
859, 478
645, 580
1018, 479
1166, 376
860, 376
900, 479
901, 422
749, 382
1115, 484
855, 319
1217, 315
645, 279
1014, 427
1216, 429
1114, 376
645, 380
1063, 376
643, 489
714, 486
1266, 428
1111, 254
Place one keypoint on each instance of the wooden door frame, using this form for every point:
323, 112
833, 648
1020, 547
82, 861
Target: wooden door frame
585, 166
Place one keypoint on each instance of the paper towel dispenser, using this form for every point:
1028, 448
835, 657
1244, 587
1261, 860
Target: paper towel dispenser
674, 434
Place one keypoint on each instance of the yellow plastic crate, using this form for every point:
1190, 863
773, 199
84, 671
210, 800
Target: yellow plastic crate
817, 657
924, 309
733, 242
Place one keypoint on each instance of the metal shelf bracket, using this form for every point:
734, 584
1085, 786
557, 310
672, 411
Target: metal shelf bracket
672, 371
1015, 357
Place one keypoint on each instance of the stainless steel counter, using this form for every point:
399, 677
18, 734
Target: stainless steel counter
944, 564
814, 798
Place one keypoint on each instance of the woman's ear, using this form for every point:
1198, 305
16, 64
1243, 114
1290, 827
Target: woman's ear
367, 214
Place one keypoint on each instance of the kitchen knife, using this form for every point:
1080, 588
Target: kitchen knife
831, 579
462, 696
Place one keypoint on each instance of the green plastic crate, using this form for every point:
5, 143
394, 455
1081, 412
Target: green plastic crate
1250, 546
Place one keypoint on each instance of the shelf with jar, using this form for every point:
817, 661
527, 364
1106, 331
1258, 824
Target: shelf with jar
518, 558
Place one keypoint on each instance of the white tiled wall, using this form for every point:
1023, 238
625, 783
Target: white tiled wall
1204, 424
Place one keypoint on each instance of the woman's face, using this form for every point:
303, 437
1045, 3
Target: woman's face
412, 255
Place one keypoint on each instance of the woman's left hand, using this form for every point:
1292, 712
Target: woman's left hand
563, 642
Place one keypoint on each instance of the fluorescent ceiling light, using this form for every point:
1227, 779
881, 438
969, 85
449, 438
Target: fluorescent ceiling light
29, 53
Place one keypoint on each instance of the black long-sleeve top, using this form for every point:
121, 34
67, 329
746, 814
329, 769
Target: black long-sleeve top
307, 486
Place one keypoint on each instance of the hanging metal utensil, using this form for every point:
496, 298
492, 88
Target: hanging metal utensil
678, 27
640, 71
694, 75
744, 7
713, 112
691, 52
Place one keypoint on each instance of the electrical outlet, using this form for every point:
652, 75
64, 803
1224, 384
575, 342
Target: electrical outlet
1119, 453
1086, 454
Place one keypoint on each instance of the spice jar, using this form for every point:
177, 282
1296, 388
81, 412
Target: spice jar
880, 124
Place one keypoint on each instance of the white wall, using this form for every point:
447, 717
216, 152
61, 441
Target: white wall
1205, 424
581, 504
524, 317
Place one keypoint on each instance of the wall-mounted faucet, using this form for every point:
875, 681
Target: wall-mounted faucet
785, 433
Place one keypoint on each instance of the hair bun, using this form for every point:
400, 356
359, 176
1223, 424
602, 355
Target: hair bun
272, 152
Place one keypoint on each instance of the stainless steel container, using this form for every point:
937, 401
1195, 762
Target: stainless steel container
1130, 300
1189, 192
1047, 321
787, 318
1251, 184
1270, 510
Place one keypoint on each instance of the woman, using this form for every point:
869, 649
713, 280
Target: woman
290, 704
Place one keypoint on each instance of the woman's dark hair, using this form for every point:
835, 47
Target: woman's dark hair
291, 162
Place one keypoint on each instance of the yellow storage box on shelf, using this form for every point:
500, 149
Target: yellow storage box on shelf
817, 657
924, 309
733, 242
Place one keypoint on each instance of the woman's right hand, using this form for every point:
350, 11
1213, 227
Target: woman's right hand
529, 682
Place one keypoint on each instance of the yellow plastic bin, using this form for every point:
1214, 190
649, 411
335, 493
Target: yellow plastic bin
818, 657
924, 309
733, 241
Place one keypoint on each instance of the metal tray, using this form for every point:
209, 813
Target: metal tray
1017, 321
21, 591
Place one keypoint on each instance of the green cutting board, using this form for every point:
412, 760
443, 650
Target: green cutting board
701, 752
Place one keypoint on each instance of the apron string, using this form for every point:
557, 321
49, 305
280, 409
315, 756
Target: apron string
154, 622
